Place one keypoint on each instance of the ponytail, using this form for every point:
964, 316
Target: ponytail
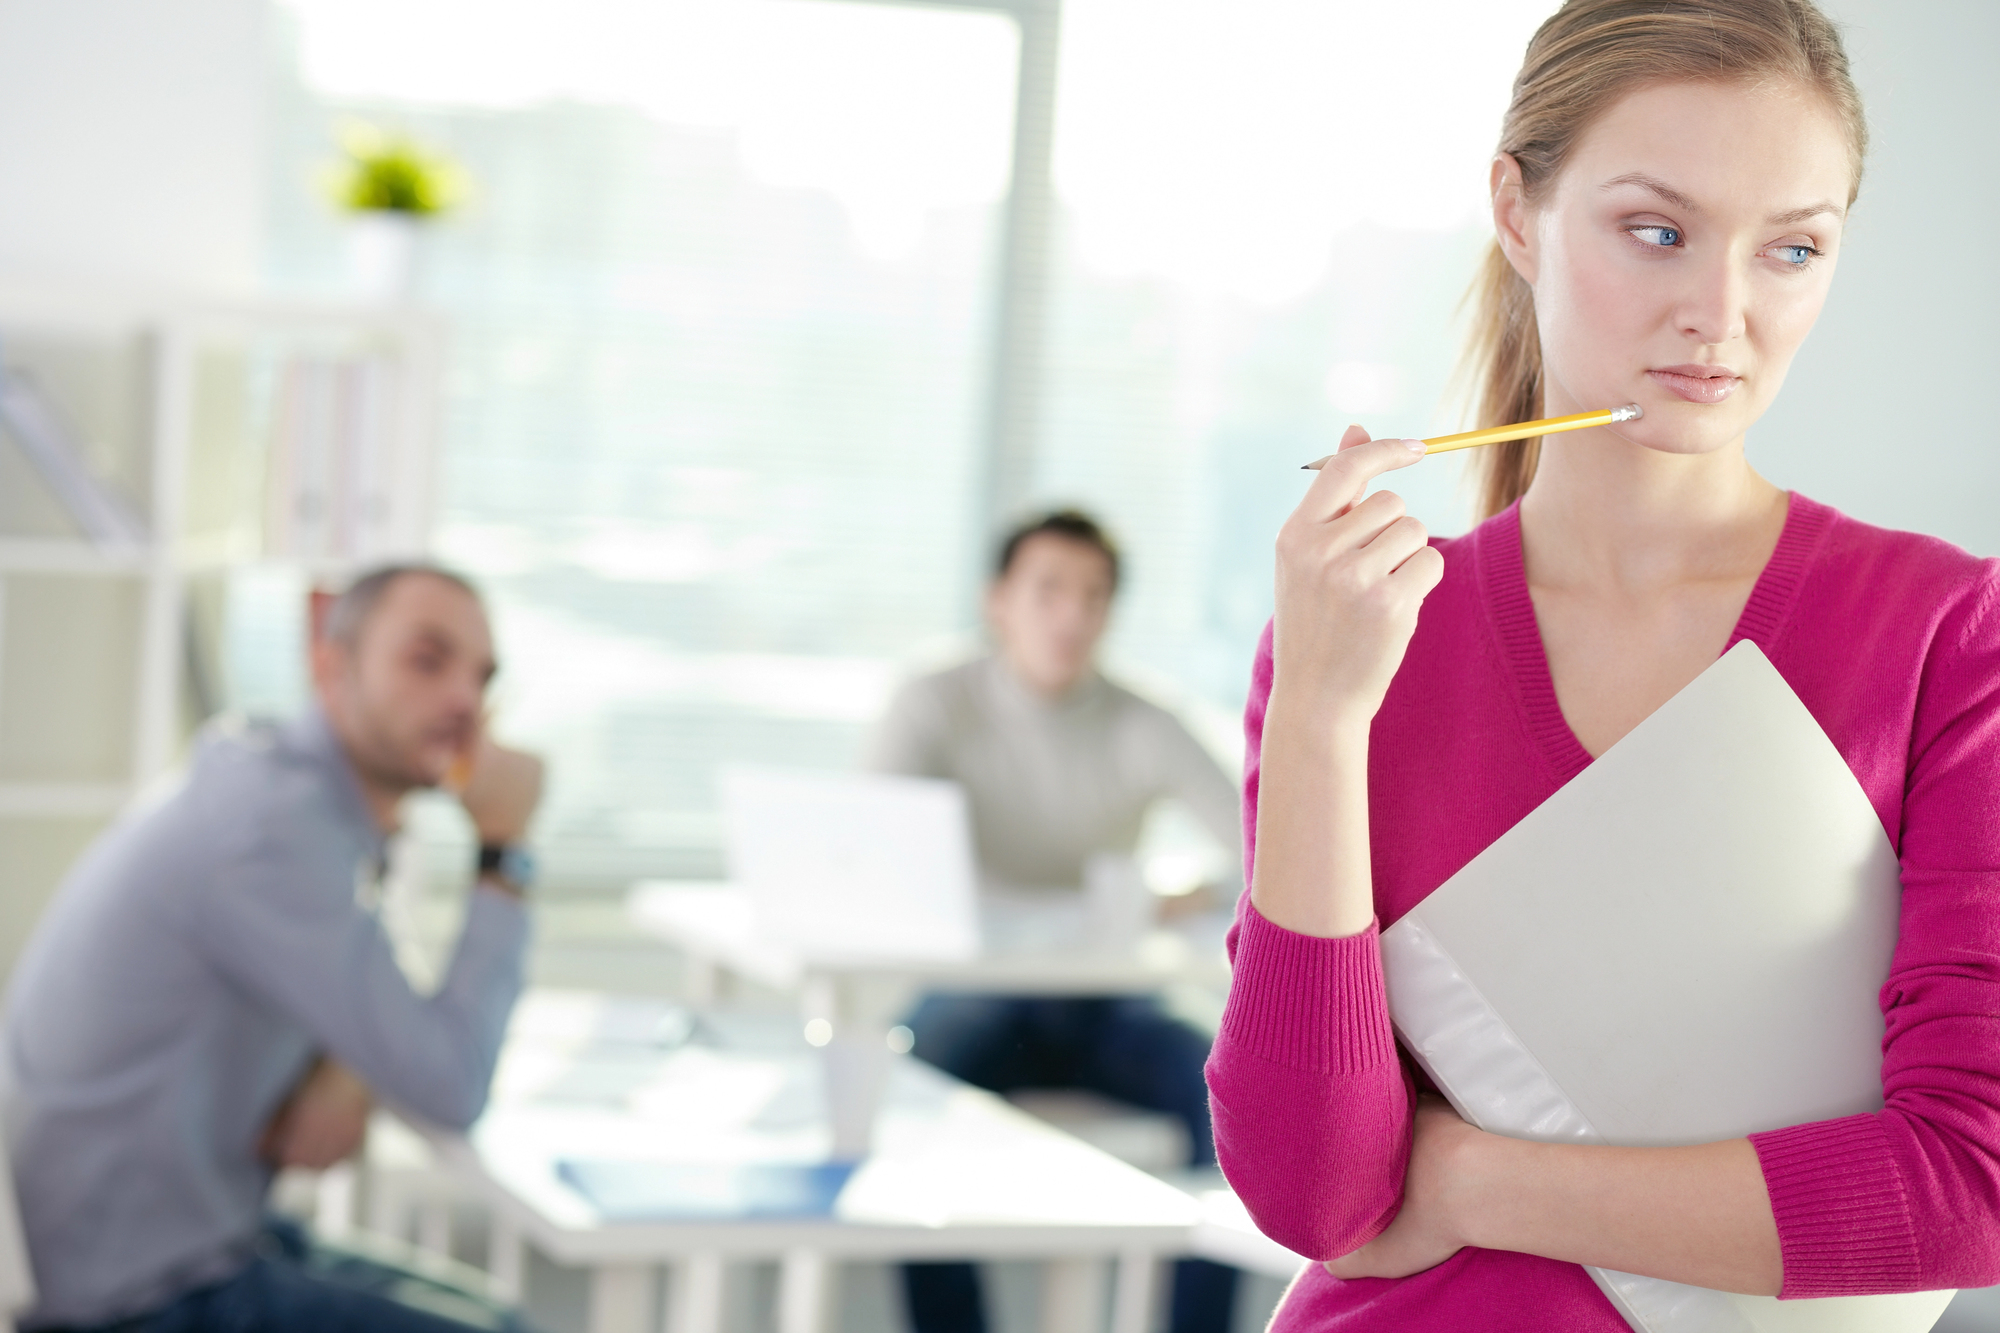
1506, 348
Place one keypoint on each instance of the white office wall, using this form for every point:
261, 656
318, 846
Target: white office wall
130, 148
130, 171
1889, 413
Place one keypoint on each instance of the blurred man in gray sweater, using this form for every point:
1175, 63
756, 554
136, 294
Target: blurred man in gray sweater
210, 997
1059, 766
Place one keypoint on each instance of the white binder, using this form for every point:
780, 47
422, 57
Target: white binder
1684, 944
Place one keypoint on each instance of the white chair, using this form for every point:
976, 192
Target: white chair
17, 1279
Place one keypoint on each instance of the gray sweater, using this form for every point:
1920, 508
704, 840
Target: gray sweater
188, 971
1051, 783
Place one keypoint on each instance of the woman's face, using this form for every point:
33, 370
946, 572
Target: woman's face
1682, 255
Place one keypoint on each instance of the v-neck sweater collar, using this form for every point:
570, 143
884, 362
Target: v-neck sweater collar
1503, 578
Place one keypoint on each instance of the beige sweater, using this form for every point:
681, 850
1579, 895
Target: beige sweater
1051, 783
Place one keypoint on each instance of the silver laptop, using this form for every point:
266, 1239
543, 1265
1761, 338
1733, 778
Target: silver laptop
854, 867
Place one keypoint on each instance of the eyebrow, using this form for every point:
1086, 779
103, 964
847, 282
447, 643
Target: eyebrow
1669, 194
1791, 215
1658, 187
430, 636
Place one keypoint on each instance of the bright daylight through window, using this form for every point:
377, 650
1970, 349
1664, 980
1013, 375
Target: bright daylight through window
722, 300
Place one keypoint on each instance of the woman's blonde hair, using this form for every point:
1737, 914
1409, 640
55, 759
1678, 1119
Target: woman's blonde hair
1586, 57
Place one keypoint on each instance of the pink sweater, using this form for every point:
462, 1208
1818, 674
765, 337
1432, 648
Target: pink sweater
1890, 640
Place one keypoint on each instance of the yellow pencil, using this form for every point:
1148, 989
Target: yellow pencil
1495, 434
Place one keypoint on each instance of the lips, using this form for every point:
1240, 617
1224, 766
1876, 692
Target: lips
1697, 384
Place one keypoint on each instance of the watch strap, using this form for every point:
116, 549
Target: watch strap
508, 862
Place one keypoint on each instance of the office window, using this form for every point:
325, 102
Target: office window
1269, 213
721, 304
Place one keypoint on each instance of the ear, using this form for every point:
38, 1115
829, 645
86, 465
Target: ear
1512, 223
328, 660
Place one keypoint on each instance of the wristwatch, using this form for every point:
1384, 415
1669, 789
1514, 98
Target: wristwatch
511, 865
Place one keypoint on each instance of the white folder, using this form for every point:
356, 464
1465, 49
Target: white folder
1682, 945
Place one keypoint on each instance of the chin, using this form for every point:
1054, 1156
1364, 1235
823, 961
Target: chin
1688, 443
425, 771
1675, 427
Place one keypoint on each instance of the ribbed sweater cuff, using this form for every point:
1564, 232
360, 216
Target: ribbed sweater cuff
1306, 1002
1844, 1223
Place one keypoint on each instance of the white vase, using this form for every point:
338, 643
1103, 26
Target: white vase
382, 254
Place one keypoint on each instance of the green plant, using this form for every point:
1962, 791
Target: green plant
384, 171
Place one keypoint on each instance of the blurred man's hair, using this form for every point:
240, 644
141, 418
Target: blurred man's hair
1070, 524
350, 612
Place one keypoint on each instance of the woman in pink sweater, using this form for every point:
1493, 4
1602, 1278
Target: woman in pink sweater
1669, 202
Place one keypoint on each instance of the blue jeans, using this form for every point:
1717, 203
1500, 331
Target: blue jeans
295, 1286
1123, 1048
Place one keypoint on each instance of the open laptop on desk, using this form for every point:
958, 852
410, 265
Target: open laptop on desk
854, 867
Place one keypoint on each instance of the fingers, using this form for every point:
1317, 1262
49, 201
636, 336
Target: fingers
1392, 545
1364, 524
1346, 475
459, 776
271, 1143
1350, 437
318, 1137
1355, 1263
1373, 541
505, 789
1421, 571
1349, 531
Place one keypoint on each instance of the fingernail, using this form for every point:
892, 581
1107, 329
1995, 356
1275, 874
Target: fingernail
1414, 446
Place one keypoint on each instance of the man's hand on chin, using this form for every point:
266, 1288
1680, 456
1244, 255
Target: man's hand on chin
501, 792
322, 1122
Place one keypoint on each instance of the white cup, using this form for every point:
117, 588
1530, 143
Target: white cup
1118, 906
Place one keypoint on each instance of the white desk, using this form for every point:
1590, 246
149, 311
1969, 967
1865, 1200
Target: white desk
956, 1173
861, 999
714, 925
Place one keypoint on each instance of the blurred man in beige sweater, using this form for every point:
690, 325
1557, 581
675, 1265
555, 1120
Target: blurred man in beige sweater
1059, 765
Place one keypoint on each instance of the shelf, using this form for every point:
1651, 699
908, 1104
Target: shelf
27, 555
61, 799
30, 555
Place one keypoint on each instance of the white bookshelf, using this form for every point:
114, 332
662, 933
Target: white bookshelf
95, 641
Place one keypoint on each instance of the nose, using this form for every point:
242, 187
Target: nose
1714, 307
468, 692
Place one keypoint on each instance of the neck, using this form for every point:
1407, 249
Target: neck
1048, 689
1622, 519
382, 794
384, 802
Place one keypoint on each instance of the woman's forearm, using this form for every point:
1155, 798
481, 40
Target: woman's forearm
1313, 874
1352, 573
1311, 1111
1699, 1215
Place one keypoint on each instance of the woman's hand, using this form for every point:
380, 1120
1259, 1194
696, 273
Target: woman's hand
1426, 1232
1352, 573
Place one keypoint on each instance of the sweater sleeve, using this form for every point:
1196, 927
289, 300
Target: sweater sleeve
1908, 1199
1310, 1104
282, 924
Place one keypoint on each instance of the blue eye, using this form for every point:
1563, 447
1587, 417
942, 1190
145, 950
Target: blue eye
1797, 255
1663, 237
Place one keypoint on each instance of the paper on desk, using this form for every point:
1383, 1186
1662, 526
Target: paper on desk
1684, 944
707, 1191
